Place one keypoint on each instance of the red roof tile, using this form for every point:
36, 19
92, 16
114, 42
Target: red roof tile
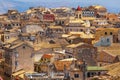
47, 56
79, 8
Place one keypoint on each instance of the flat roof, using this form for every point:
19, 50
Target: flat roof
68, 59
55, 27
65, 35
82, 34
75, 45
76, 21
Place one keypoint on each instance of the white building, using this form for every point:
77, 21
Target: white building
32, 29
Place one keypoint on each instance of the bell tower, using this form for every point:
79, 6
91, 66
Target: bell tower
78, 13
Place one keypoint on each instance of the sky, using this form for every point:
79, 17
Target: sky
22, 5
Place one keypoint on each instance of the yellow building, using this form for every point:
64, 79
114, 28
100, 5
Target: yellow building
105, 32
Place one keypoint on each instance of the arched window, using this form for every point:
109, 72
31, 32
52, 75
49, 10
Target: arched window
105, 33
79, 15
111, 33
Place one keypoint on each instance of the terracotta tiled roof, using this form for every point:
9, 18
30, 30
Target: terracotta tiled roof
100, 29
55, 27
48, 56
104, 56
45, 45
77, 45
113, 69
114, 46
60, 65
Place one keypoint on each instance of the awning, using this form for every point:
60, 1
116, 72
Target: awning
18, 73
21, 76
